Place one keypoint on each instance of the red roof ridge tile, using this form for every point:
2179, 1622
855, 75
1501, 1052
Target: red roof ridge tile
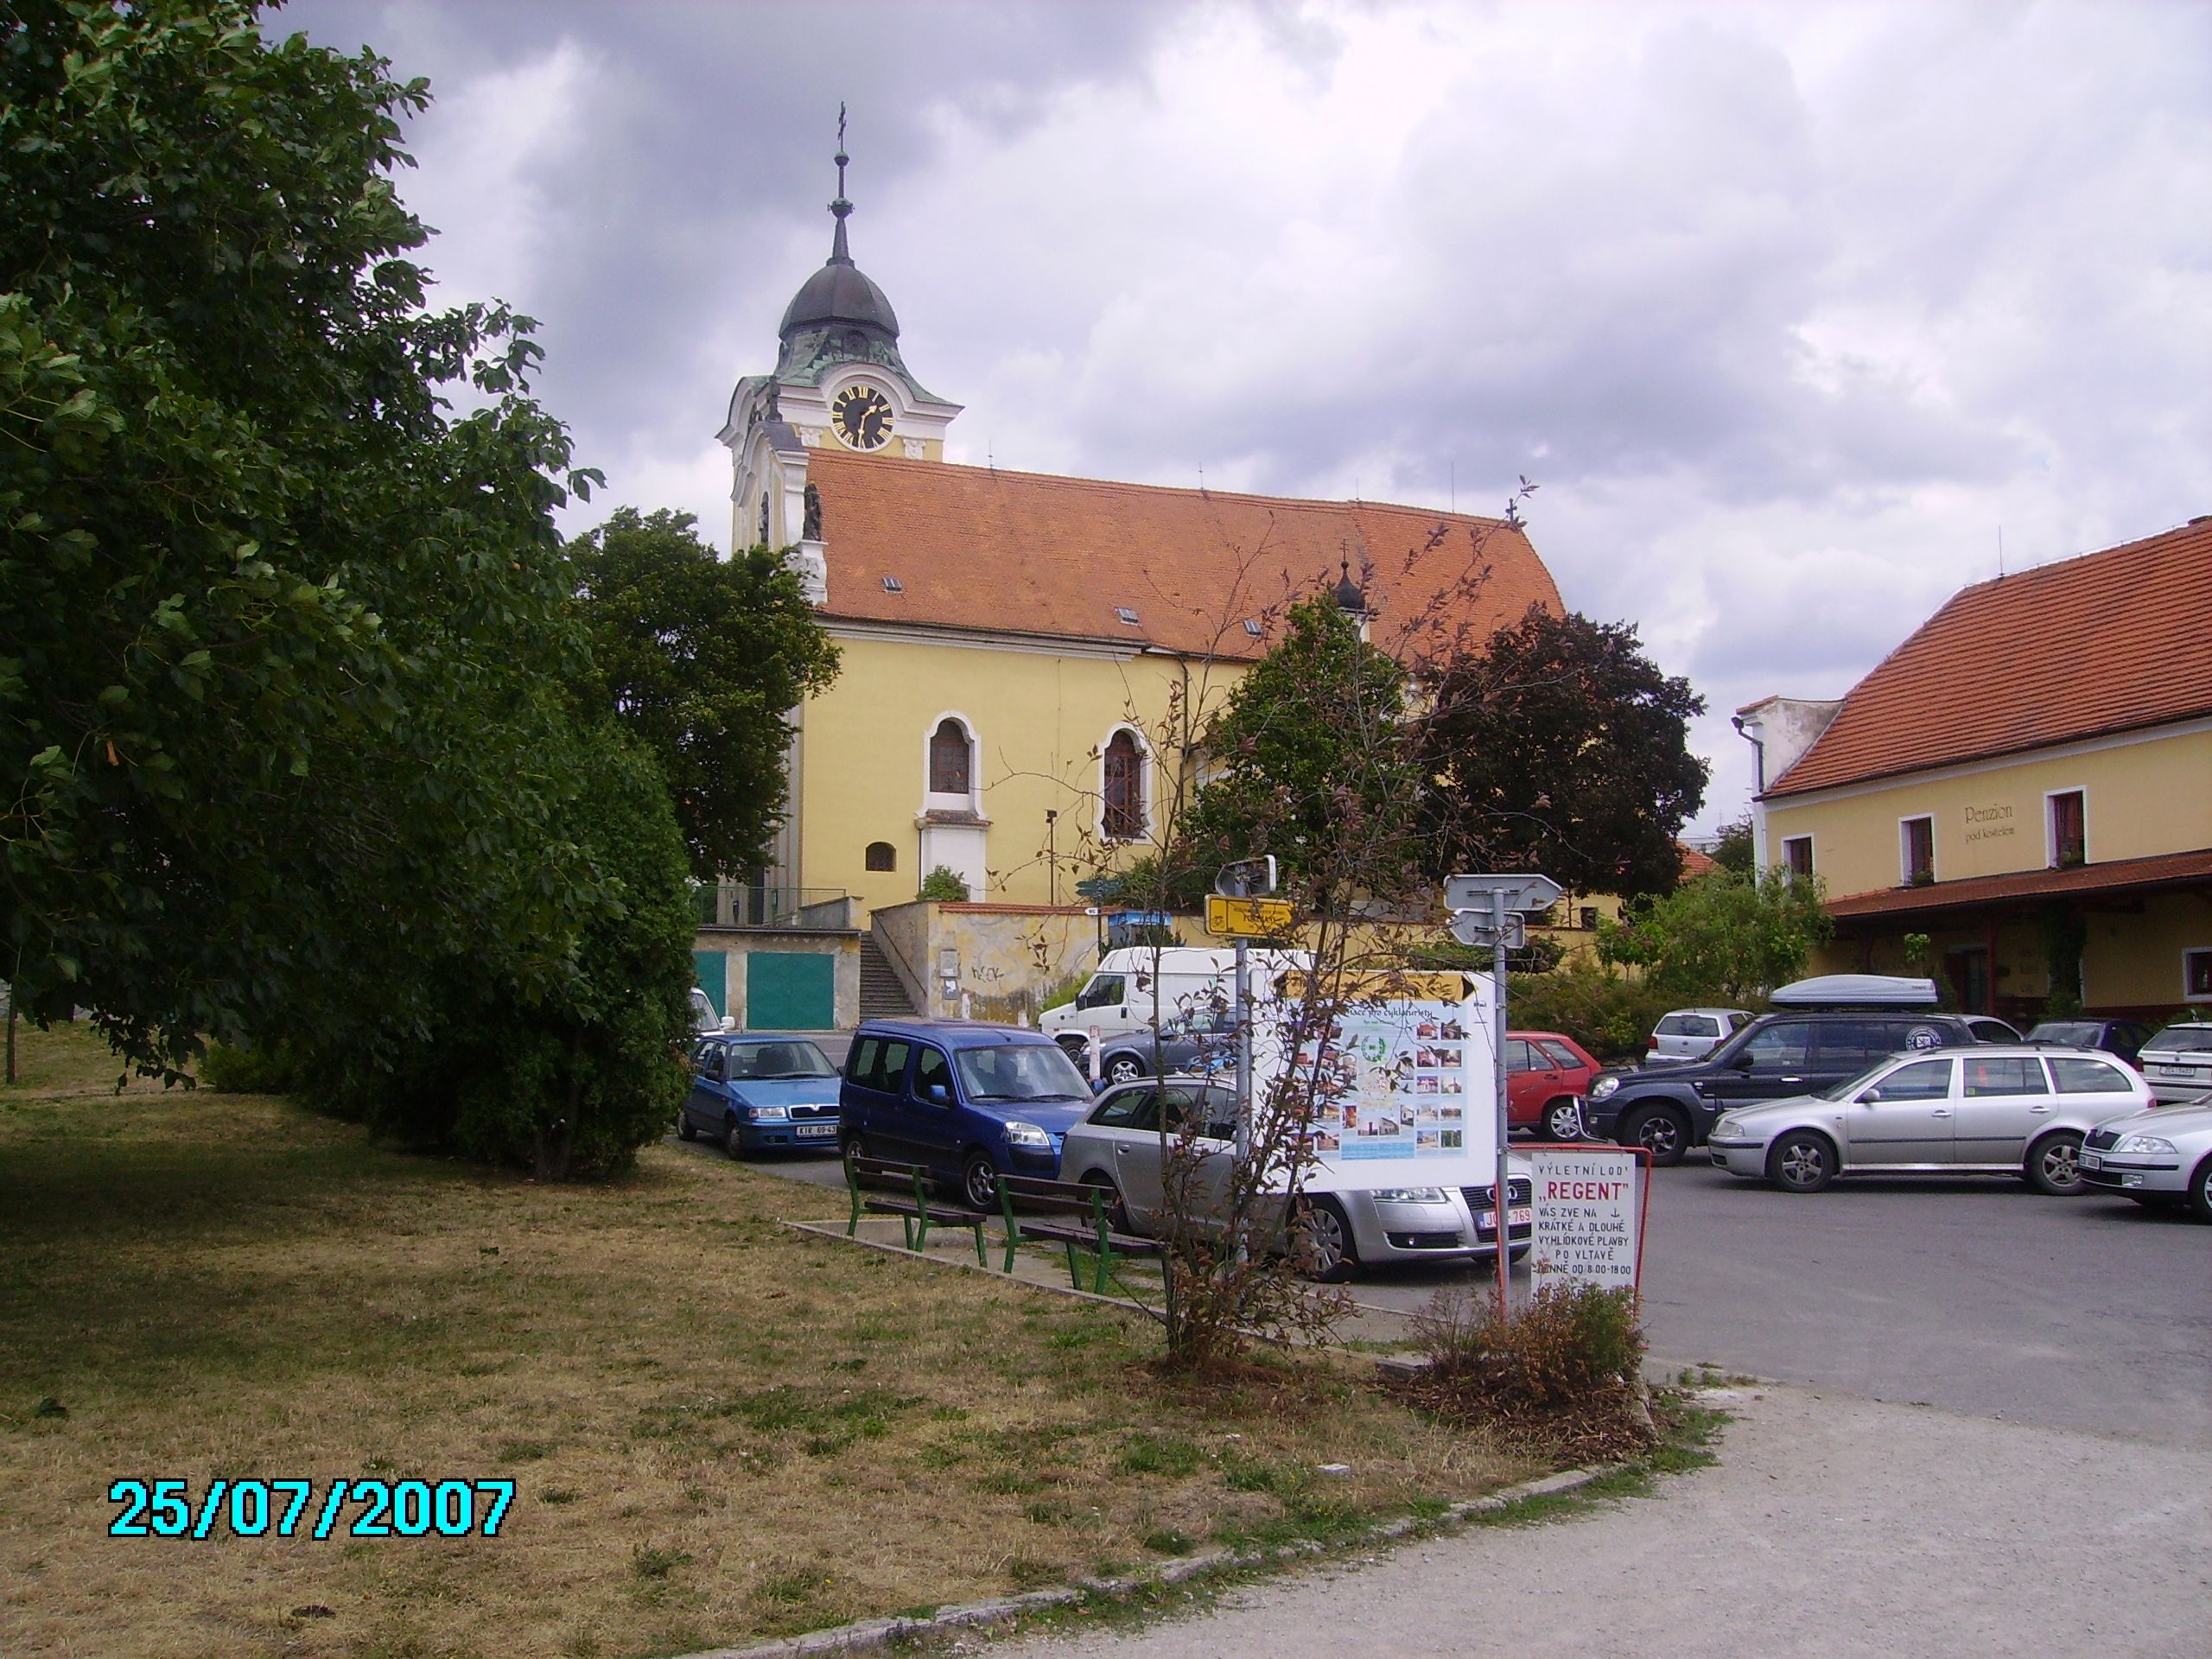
1203, 492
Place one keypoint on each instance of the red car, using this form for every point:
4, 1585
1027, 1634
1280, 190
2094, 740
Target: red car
1545, 1077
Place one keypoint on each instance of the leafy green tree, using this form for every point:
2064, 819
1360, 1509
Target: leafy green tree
1724, 934
1732, 848
296, 723
1561, 747
704, 658
1306, 760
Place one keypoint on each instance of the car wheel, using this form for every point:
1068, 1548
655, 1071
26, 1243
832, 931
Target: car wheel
1331, 1256
1563, 1120
2200, 1191
1663, 1131
684, 1129
2055, 1164
734, 1139
852, 1144
1118, 1214
1802, 1161
1123, 1068
979, 1182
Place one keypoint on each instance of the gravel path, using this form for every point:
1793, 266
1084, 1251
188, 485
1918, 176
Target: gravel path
1832, 1525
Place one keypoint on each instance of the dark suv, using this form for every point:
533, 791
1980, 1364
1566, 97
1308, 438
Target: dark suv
1774, 1056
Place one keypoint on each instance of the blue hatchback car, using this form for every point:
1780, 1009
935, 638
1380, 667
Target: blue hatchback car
967, 1101
755, 1090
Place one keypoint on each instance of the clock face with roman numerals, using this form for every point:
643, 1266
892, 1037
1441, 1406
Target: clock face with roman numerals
863, 417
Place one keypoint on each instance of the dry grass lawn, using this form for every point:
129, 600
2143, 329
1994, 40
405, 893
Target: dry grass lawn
719, 1429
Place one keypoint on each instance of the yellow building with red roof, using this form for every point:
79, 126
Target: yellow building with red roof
2026, 781
1013, 642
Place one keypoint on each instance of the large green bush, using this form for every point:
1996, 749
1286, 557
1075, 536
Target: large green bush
1600, 1007
566, 1065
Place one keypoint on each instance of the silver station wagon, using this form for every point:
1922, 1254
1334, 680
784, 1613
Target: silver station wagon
1991, 1110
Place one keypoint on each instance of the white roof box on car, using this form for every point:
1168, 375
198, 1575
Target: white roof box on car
1857, 991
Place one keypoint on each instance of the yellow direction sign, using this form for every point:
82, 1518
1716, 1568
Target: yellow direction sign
1250, 919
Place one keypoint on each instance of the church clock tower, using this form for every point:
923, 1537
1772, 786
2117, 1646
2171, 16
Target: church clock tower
839, 379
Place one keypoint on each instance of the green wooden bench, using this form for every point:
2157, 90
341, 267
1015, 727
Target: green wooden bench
916, 1213
1084, 1222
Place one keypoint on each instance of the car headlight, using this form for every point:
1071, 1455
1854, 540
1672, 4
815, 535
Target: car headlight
1726, 1129
2144, 1143
770, 1114
1407, 1195
1603, 1087
1019, 1133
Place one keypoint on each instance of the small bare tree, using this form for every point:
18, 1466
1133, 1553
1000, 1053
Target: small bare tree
1312, 755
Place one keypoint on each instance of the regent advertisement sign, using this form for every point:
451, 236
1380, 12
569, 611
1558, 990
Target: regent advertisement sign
1589, 1222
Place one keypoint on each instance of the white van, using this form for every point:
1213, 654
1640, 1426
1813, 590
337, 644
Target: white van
1176, 981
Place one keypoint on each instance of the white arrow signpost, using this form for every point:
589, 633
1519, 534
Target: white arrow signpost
1493, 910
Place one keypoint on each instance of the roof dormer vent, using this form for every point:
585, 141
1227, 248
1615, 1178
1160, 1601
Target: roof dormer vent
891, 585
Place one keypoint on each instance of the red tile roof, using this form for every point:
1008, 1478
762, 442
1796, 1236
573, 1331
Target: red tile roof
1694, 863
972, 547
2120, 876
2105, 643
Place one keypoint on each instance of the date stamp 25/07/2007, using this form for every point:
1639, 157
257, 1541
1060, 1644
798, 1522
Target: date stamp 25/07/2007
290, 1508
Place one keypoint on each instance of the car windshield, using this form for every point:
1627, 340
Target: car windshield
772, 1062
1020, 1072
2081, 1034
2182, 1038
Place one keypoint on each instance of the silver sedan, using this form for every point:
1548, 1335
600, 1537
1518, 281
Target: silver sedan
1990, 1110
1119, 1145
2161, 1157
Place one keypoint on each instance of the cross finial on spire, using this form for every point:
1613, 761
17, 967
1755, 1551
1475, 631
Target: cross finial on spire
839, 253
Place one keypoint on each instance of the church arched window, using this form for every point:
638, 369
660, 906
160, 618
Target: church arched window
952, 758
1122, 788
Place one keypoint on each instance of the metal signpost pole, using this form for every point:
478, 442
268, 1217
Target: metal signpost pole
1243, 1064
1502, 1193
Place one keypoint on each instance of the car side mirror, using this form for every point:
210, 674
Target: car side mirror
937, 1094
1872, 1097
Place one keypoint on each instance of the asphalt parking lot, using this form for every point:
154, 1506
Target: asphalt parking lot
1974, 1295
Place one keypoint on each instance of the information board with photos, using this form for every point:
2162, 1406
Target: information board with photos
1407, 1094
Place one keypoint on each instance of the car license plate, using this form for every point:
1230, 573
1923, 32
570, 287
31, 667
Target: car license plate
817, 1131
2092, 1160
1518, 1217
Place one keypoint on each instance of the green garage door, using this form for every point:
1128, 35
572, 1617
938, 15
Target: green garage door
790, 991
710, 971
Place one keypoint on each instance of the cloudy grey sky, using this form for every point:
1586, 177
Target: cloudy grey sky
1796, 312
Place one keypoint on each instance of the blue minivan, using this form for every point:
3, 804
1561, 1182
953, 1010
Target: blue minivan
967, 1101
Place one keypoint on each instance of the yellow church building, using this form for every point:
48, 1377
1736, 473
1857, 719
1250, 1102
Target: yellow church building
1012, 642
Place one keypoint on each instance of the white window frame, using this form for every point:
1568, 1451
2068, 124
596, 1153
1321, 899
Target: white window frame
1904, 847
1144, 791
2051, 823
2189, 952
1787, 841
947, 801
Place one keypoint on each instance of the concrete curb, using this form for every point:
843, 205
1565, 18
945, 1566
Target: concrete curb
870, 1635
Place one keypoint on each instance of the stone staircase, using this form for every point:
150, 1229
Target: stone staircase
883, 993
